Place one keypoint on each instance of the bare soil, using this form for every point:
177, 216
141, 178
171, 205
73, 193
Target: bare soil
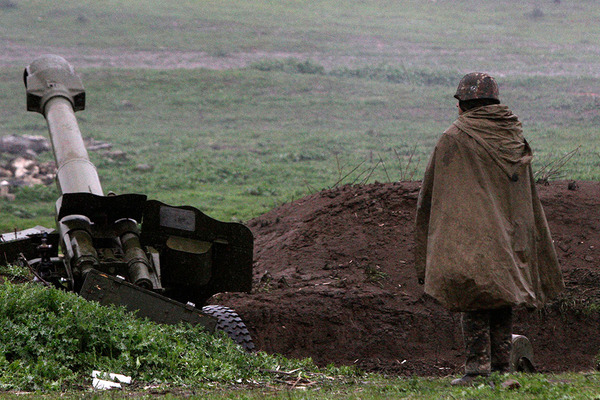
334, 280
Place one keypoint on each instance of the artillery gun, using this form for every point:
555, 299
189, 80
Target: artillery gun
161, 261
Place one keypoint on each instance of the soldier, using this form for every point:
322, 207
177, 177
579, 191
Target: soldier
482, 241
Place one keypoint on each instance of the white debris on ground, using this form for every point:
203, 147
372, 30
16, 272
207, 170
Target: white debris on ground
22, 169
109, 380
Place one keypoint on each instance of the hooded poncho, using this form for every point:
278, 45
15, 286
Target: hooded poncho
482, 239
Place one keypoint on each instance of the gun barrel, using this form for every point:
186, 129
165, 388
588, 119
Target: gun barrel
75, 171
54, 90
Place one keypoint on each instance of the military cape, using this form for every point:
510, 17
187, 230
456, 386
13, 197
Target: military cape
482, 239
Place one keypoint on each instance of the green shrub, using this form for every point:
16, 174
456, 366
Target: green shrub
53, 339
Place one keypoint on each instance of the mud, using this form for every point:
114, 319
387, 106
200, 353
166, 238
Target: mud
334, 280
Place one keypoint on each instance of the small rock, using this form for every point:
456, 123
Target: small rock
127, 105
511, 384
26, 145
21, 166
4, 191
95, 145
5, 173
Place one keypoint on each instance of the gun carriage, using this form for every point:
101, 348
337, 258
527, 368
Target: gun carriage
161, 261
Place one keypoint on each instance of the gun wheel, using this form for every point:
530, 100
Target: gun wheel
230, 322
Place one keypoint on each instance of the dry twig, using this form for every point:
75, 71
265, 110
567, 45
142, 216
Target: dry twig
404, 172
552, 168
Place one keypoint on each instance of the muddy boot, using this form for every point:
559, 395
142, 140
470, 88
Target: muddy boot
476, 334
501, 338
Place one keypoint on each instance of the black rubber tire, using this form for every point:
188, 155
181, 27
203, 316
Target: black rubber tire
230, 322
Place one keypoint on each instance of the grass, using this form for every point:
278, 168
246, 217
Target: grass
415, 33
52, 340
536, 386
341, 85
237, 143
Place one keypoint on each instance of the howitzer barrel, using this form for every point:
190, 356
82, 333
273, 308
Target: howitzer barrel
54, 90
75, 172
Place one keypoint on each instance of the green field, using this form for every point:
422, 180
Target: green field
326, 88
237, 143
240, 106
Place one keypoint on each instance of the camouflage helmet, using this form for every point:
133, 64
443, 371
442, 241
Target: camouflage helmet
477, 85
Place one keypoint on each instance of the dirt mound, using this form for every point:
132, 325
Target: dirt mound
334, 280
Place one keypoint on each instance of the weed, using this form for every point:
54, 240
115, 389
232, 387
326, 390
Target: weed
15, 272
343, 175
536, 13
407, 170
374, 274
7, 4
398, 75
219, 53
592, 308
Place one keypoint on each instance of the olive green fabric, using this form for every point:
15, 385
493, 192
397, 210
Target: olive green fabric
482, 239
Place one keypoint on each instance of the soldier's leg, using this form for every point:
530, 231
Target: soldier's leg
501, 338
476, 332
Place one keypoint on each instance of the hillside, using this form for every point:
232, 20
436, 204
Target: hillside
335, 281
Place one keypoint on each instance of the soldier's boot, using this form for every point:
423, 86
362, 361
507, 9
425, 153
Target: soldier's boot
500, 338
476, 334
